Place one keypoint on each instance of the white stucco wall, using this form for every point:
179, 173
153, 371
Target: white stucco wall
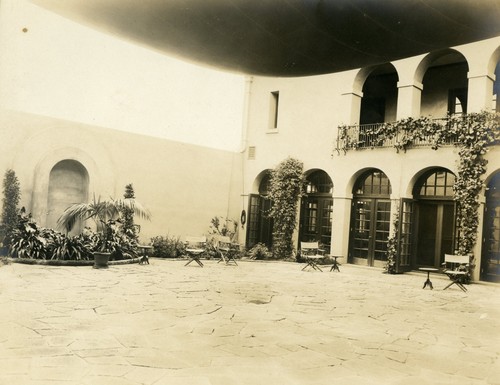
183, 185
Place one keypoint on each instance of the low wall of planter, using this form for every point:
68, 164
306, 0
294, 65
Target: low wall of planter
54, 262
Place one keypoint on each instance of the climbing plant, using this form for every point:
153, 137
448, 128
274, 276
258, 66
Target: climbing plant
286, 186
392, 246
11, 197
474, 140
473, 133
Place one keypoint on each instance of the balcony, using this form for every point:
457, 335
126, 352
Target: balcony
421, 132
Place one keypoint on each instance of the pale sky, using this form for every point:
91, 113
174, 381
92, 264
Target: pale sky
56, 67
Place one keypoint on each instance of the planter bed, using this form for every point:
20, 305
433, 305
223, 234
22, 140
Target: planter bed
53, 262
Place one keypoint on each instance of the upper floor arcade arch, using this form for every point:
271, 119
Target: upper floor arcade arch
459, 79
443, 75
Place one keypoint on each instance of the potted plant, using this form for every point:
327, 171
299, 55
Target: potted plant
105, 213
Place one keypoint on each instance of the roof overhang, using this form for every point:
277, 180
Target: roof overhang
289, 37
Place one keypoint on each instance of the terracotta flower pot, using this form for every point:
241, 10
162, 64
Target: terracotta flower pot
101, 260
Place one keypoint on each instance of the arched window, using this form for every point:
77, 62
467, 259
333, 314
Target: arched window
373, 183
319, 182
435, 185
265, 184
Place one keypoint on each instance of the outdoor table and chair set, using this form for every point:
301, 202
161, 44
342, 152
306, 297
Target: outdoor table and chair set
456, 267
312, 254
226, 251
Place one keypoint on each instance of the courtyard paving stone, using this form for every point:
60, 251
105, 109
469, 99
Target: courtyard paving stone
259, 322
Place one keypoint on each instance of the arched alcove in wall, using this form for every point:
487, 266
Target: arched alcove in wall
68, 184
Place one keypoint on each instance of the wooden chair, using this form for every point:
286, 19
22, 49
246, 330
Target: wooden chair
195, 246
456, 267
311, 252
225, 250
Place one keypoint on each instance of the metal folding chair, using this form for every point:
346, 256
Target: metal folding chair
225, 250
195, 246
311, 252
457, 269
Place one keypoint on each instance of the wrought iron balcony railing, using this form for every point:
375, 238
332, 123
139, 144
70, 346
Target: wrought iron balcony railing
400, 135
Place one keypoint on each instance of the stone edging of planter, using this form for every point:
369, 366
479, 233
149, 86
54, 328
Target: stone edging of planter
55, 262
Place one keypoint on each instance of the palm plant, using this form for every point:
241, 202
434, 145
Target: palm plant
105, 214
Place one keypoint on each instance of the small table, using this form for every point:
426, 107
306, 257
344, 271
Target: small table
145, 250
144, 253
428, 280
335, 265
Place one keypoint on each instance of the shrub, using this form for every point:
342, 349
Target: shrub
29, 240
225, 227
62, 247
33, 242
167, 246
260, 251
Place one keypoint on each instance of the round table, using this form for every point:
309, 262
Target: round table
428, 280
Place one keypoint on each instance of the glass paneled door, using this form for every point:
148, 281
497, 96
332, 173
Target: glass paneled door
435, 232
370, 219
490, 258
316, 210
404, 245
260, 225
370, 231
435, 217
317, 221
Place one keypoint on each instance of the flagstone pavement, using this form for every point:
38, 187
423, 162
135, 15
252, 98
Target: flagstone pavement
256, 323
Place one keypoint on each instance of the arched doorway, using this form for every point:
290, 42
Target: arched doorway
490, 258
370, 219
68, 184
260, 226
435, 217
316, 210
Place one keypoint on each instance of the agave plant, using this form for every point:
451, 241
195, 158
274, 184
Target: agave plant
105, 214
